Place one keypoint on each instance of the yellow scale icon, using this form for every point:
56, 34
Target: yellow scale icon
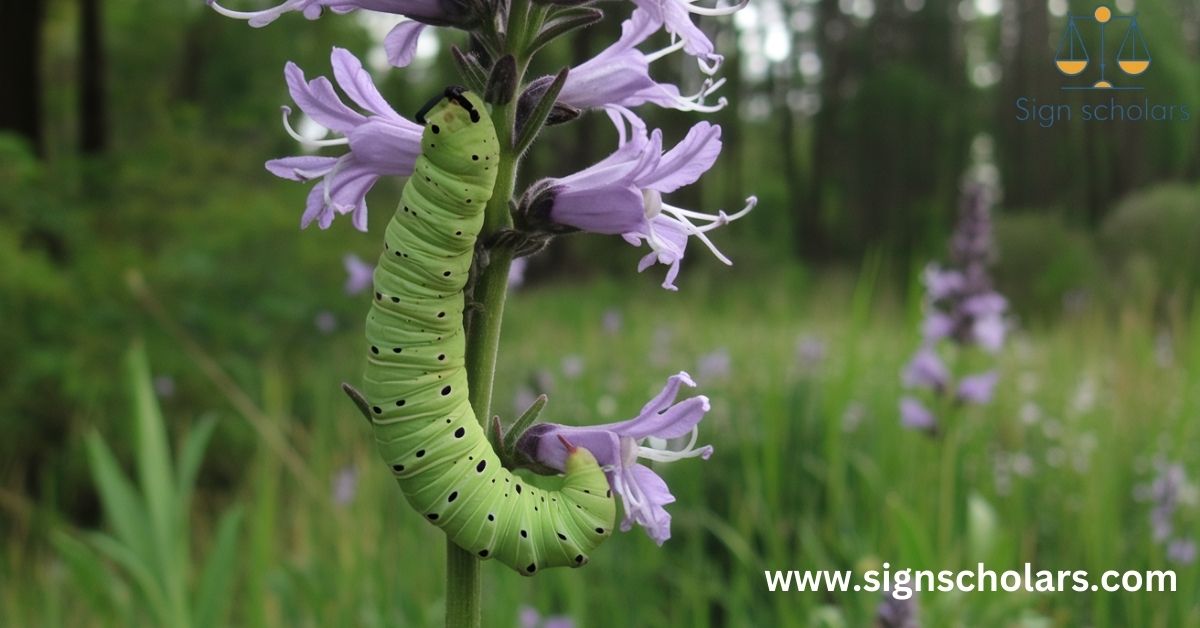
1072, 57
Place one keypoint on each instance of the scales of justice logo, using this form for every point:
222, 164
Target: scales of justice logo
1133, 57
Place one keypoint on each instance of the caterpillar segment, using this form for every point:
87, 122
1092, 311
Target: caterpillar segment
416, 381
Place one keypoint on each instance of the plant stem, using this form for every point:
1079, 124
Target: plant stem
463, 590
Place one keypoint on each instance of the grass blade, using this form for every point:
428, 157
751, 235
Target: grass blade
216, 582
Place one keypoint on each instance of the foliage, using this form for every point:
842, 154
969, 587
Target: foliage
1160, 228
1043, 262
812, 469
150, 521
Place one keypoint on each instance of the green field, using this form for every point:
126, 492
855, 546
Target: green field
812, 471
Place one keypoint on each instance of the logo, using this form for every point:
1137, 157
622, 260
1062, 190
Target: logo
1073, 60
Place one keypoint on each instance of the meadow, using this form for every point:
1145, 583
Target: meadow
812, 470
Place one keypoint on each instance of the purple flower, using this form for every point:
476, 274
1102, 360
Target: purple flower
622, 194
400, 43
325, 322
528, 617
941, 283
611, 321
810, 352
897, 611
164, 386
714, 365
359, 274
620, 75
676, 16
926, 370
1167, 492
915, 416
381, 143
977, 389
1182, 551
345, 485
619, 446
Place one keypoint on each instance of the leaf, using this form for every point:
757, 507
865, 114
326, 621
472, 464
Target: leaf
122, 505
153, 454
981, 528
191, 455
470, 69
518, 428
217, 580
142, 574
563, 23
88, 569
537, 118
502, 82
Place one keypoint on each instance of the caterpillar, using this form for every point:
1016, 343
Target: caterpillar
415, 378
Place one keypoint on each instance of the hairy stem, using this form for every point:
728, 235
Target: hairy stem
483, 334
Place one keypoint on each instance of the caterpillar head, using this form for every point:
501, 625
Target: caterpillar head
452, 111
459, 136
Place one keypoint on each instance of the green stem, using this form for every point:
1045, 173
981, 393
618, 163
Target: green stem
463, 590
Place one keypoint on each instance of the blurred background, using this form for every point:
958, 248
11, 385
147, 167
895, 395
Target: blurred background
135, 212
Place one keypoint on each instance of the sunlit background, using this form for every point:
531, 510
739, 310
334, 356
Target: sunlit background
136, 219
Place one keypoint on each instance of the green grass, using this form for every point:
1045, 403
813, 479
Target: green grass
811, 471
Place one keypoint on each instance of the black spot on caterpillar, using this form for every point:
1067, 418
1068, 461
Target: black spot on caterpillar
420, 410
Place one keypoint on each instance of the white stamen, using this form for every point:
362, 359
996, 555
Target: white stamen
655, 56
669, 455
695, 231
716, 11
652, 200
329, 177
245, 15
287, 126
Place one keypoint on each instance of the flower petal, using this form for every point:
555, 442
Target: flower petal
690, 158
317, 99
401, 43
609, 209
357, 83
302, 168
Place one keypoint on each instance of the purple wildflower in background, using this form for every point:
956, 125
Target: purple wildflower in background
572, 366
359, 274
963, 305
714, 365
400, 43
964, 310
164, 386
811, 352
325, 322
926, 370
611, 321
914, 415
977, 389
1170, 490
622, 194
529, 617
619, 446
345, 485
894, 612
620, 75
1182, 551
381, 143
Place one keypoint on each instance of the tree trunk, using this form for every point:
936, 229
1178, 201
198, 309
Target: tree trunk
93, 127
20, 67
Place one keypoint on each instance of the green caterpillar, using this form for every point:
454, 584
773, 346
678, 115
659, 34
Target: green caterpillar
416, 380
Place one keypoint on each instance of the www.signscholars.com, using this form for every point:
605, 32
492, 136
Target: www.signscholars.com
904, 582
